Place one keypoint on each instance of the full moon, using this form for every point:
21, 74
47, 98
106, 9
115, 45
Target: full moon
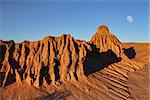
130, 19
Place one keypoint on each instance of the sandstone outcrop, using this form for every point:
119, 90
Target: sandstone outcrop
54, 60
51, 59
67, 68
104, 40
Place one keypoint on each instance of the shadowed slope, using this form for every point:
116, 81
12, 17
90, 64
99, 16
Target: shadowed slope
96, 61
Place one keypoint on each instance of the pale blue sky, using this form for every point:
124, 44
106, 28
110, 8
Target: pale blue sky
33, 20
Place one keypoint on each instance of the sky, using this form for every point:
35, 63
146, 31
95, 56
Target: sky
33, 20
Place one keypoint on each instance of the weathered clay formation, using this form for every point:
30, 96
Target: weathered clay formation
53, 59
104, 40
50, 60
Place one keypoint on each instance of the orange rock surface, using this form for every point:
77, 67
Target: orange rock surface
64, 67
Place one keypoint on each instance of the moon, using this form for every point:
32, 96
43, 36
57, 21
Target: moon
130, 19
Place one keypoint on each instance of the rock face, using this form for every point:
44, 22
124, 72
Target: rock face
53, 59
47, 61
104, 40
87, 70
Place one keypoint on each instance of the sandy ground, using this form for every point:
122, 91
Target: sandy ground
138, 82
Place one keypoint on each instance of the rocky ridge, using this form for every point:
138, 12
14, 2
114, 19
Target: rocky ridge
55, 60
50, 60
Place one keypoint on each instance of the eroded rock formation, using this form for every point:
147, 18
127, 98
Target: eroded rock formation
104, 40
51, 59
55, 60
